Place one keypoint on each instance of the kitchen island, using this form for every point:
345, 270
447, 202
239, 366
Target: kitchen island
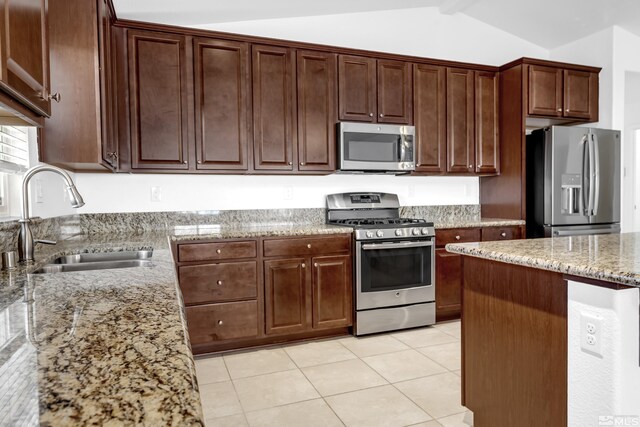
526, 357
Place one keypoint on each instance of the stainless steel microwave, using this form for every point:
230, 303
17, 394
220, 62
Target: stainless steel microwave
370, 147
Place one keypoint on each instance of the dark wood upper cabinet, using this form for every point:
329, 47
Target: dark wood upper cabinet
487, 123
394, 92
222, 104
460, 121
317, 116
357, 88
430, 118
81, 132
24, 53
159, 102
562, 92
273, 108
580, 94
545, 91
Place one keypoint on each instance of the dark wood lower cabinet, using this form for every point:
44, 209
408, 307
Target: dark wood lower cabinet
514, 345
332, 291
448, 285
223, 321
285, 296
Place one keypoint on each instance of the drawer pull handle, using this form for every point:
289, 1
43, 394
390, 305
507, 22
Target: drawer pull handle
220, 322
315, 264
457, 237
503, 234
309, 245
219, 282
304, 265
218, 251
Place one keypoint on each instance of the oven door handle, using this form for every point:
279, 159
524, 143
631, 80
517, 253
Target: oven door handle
374, 246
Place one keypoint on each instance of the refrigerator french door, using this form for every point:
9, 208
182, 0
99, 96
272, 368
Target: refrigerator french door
573, 181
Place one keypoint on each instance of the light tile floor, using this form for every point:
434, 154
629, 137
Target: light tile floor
406, 378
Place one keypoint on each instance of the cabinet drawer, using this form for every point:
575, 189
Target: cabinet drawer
457, 236
218, 282
501, 233
308, 246
224, 321
216, 251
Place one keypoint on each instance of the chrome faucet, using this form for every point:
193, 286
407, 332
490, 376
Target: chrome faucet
25, 238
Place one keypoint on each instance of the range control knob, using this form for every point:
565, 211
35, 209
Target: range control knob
369, 234
380, 233
415, 231
425, 230
398, 232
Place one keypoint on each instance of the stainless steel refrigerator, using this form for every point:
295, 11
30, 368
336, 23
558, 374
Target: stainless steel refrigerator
573, 181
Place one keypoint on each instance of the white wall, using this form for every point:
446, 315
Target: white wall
132, 193
421, 32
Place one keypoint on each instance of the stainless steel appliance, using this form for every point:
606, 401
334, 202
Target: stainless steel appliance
394, 262
370, 147
573, 181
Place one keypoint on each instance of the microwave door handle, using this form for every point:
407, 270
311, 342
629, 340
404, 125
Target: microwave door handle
403, 151
585, 174
596, 175
399, 245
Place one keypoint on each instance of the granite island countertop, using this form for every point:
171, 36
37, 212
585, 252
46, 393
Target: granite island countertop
106, 346
611, 258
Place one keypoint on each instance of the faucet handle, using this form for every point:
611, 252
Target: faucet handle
45, 242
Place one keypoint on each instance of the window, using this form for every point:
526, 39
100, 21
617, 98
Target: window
14, 159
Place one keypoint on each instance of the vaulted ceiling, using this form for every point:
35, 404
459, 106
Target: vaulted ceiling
547, 23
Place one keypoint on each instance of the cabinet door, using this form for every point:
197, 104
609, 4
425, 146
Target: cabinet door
158, 100
394, 92
580, 95
285, 296
222, 104
107, 88
430, 120
317, 99
460, 134
25, 52
332, 291
448, 285
486, 123
357, 88
273, 108
545, 91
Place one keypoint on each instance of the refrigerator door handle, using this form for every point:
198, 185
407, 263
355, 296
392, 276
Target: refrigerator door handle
585, 175
561, 233
596, 175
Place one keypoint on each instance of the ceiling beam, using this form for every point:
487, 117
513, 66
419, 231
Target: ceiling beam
449, 7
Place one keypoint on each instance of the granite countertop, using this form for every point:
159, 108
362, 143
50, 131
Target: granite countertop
463, 222
612, 257
106, 346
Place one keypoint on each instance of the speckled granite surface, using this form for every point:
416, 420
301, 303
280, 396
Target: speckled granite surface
613, 258
214, 231
103, 347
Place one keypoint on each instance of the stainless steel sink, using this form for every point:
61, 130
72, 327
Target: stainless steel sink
102, 257
97, 261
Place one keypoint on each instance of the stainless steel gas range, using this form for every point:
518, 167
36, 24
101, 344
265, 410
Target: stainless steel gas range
394, 262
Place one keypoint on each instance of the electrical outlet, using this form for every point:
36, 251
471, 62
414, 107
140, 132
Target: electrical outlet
591, 333
288, 192
156, 194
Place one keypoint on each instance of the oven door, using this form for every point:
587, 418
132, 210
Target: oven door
394, 273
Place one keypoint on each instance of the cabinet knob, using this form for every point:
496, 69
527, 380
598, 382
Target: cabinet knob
219, 282
199, 162
559, 110
470, 166
113, 155
303, 265
220, 322
457, 237
309, 245
301, 163
503, 234
370, 114
418, 164
567, 110
185, 162
218, 251
381, 115
55, 96
290, 163
315, 264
